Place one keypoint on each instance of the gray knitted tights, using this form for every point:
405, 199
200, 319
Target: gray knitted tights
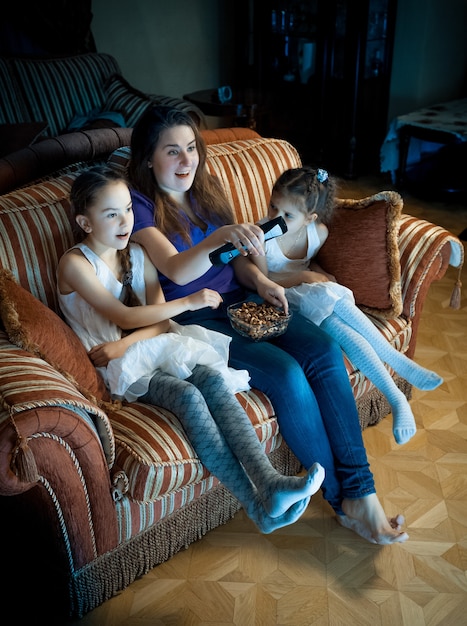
226, 443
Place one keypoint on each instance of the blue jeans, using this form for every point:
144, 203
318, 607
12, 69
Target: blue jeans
303, 374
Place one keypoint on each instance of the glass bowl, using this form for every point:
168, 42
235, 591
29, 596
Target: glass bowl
259, 322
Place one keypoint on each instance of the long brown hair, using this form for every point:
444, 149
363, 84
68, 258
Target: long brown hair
83, 195
212, 203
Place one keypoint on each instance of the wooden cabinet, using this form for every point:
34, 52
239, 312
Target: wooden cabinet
323, 69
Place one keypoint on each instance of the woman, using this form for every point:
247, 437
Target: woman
181, 215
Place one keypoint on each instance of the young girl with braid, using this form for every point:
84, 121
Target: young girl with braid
110, 295
304, 197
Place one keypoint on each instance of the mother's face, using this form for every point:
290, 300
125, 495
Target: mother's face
175, 159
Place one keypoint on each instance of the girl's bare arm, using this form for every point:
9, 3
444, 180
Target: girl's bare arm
76, 274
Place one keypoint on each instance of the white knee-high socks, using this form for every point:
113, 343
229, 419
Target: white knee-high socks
415, 374
369, 350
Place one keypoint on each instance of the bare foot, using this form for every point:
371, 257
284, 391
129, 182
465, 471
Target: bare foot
366, 517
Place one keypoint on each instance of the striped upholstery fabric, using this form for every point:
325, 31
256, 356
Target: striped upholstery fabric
33, 240
121, 96
150, 447
431, 242
133, 517
55, 90
156, 456
248, 170
11, 107
223, 135
119, 159
120, 508
29, 382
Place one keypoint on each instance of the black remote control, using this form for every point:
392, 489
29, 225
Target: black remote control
227, 252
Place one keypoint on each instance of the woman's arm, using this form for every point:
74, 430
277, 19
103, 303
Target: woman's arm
183, 267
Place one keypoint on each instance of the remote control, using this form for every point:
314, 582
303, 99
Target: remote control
228, 251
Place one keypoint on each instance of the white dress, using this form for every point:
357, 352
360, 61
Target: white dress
315, 301
175, 352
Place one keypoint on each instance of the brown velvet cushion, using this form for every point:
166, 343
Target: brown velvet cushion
362, 251
34, 327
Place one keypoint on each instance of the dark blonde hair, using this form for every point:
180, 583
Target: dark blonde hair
83, 195
310, 189
212, 203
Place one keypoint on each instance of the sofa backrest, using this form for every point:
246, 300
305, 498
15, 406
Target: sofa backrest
48, 157
35, 230
54, 90
35, 221
12, 110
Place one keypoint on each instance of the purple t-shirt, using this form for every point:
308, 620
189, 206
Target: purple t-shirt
219, 278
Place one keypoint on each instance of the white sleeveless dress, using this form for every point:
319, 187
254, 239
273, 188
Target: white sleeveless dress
315, 301
176, 352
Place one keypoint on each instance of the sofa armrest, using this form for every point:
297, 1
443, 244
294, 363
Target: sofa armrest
426, 252
63, 435
27, 382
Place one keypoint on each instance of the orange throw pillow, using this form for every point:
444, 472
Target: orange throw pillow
362, 251
33, 327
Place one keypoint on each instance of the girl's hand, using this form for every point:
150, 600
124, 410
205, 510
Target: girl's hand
101, 354
274, 294
204, 298
249, 236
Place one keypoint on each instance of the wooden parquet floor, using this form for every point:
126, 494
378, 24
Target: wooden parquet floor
317, 573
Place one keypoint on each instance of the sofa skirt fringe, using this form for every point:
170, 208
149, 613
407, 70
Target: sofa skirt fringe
112, 572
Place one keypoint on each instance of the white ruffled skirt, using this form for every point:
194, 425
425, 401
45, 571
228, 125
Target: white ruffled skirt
176, 353
316, 301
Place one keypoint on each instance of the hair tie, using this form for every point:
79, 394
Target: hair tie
128, 279
322, 175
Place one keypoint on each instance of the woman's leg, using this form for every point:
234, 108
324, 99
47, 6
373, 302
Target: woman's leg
360, 509
413, 373
274, 372
188, 404
304, 376
362, 354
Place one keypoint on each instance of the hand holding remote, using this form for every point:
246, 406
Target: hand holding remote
227, 252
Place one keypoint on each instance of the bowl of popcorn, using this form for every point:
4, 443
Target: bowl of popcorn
258, 321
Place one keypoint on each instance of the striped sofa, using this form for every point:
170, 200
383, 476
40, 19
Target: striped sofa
46, 97
93, 494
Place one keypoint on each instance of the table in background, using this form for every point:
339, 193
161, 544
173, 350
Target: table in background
441, 124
